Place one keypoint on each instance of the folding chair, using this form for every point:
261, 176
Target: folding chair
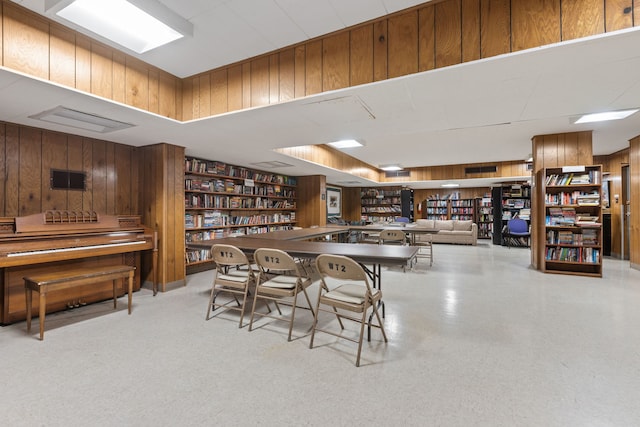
393, 237
356, 295
230, 279
279, 277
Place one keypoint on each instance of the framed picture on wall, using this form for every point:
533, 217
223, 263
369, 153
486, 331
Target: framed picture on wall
334, 201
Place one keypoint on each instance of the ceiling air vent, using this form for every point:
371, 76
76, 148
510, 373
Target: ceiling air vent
397, 174
480, 169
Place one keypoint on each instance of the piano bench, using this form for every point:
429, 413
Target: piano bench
57, 281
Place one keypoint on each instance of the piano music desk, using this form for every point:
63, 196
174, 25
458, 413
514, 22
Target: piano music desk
50, 282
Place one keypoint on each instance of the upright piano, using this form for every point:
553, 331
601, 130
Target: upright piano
57, 240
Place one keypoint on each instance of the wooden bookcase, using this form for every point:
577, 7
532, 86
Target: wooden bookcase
462, 209
436, 209
570, 215
223, 200
380, 204
446, 209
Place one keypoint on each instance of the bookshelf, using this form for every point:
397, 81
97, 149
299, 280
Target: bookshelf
462, 209
484, 217
380, 204
449, 207
571, 217
436, 209
510, 201
224, 200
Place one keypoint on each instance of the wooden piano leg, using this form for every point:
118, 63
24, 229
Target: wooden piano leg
42, 311
28, 294
130, 289
115, 294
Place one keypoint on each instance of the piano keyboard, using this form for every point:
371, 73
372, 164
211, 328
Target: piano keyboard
78, 248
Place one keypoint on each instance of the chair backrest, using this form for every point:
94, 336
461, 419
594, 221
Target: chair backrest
228, 255
340, 267
274, 260
392, 236
517, 225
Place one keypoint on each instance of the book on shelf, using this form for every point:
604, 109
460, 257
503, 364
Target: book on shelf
525, 214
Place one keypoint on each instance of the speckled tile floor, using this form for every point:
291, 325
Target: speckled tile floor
478, 339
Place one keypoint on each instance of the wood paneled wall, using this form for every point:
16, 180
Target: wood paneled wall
503, 169
634, 182
550, 151
351, 204
39, 47
163, 207
27, 156
612, 164
332, 158
434, 35
311, 201
335, 159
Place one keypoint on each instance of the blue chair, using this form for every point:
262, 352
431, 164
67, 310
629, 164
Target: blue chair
401, 219
517, 227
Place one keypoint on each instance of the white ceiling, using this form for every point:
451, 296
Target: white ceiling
482, 111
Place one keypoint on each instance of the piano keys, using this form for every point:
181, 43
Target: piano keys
56, 240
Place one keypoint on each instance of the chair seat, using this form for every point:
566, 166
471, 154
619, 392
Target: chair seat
519, 233
281, 282
352, 294
235, 276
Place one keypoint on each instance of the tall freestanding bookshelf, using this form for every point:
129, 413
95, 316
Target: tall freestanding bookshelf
570, 216
223, 200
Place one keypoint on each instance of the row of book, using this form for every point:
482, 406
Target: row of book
219, 219
229, 186
524, 213
383, 201
579, 198
516, 191
219, 233
377, 194
377, 219
382, 209
467, 203
574, 178
588, 237
467, 211
208, 201
516, 203
584, 255
462, 217
220, 168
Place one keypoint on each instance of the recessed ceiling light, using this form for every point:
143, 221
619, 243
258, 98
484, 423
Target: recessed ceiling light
78, 119
390, 168
138, 25
607, 115
450, 185
345, 143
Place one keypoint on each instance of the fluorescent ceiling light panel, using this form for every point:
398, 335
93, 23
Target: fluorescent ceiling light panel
345, 143
80, 120
451, 185
390, 168
124, 22
607, 115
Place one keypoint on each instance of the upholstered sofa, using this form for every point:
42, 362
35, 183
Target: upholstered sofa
449, 231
